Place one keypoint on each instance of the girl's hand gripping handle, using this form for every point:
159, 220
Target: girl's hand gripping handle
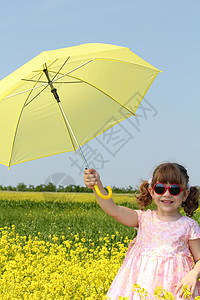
91, 179
101, 195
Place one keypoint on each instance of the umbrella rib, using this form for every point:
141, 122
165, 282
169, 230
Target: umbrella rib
103, 93
81, 81
14, 138
28, 89
61, 68
70, 131
56, 96
31, 91
31, 80
36, 96
42, 73
54, 80
66, 121
74, 70
39, 86
128, 62
56, 73
67, 74
47, 83
25, 104
146, 90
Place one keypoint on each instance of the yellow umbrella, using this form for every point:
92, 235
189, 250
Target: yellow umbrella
61, 99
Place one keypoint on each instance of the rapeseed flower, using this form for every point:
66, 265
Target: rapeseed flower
34, 269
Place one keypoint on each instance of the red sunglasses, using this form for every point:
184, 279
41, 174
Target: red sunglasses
174, 188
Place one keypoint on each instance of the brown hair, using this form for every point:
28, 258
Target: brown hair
170, 173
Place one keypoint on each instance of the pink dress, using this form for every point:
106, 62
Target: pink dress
159, 257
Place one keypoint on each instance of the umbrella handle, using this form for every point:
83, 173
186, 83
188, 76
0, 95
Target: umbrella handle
101, 195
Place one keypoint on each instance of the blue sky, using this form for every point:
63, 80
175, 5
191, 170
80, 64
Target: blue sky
165, 34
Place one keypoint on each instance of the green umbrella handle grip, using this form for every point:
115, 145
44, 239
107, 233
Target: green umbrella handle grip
101, 195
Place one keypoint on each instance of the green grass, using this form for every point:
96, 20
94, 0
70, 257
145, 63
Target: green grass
67, 214
61, 217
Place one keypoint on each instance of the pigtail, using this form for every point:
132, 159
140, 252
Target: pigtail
144, 199
192, 201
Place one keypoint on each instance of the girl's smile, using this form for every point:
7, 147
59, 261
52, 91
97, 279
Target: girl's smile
167, 202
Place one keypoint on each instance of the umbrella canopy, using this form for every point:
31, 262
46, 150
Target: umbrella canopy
94, 82
64, 98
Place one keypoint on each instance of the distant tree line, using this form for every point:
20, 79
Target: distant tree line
50, 187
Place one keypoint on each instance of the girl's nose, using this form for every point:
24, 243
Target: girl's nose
167, 193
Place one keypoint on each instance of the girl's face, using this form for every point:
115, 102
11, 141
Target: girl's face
168, 203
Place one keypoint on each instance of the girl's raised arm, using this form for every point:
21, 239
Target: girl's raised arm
124, 215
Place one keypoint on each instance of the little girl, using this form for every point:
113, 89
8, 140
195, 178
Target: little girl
167, 247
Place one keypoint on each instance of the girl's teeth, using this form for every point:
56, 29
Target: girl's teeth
167, 201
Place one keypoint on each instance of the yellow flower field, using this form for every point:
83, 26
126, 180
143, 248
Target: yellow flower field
60, 197
34, 269
75, 254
